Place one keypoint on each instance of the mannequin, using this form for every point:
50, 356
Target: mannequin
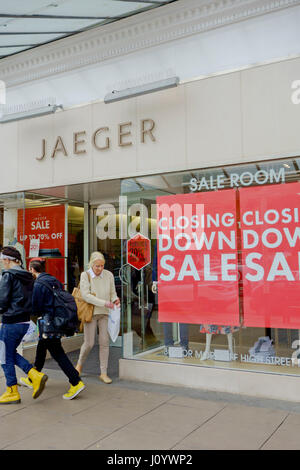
206, 353
215, 329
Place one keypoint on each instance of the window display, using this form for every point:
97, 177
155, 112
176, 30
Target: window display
225, 266
37, 227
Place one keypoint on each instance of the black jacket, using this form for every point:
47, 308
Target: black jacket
16, 286
42, 298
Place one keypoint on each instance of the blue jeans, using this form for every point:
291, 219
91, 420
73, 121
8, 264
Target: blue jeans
183, 331
12, 336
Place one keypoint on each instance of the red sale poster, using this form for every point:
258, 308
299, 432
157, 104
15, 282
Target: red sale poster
197, 258
270, 235
44, 232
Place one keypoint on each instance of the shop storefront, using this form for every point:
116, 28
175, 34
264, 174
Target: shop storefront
210, 289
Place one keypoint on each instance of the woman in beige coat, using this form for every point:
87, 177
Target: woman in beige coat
102, 285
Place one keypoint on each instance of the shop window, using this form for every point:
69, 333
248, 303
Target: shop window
225, 268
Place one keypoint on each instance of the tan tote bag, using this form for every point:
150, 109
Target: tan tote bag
84, 310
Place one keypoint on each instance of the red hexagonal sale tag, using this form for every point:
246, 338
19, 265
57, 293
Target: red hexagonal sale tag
138, 251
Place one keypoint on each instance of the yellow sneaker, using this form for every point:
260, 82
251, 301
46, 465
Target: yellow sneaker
73, 391
38, 380
26, 381
11, 396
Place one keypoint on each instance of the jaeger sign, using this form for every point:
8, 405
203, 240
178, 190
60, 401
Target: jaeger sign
101, 139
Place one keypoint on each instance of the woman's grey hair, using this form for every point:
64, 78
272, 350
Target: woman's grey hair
95, 256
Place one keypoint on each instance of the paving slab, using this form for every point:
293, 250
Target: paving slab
130, 439
161, 428
60, 436
136, 416
287, 436
236, 427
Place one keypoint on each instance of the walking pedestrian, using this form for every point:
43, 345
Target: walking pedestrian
100, 282
42, 304
16, 286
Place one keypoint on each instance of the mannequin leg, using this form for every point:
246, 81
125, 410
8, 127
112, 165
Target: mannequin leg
184, 335
205, 355
230, 344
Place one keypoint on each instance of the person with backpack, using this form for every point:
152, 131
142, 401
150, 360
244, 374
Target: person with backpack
16, 287
44, 290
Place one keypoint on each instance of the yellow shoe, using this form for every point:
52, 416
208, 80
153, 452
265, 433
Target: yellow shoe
38, 380
105, 379
26, 381
11, 396
73, 391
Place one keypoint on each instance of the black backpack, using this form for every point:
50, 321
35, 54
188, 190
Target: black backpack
64, 320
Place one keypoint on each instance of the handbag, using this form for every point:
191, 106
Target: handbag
84, 310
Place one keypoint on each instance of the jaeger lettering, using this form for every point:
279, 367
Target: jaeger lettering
100, 138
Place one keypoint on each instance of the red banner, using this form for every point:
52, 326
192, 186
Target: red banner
197, 258
46, 224
270, 236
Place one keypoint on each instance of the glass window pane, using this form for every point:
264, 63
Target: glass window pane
269, 346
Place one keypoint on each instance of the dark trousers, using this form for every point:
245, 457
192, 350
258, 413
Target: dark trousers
53, 345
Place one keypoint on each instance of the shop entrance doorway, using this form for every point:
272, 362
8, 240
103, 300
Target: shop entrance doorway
139, 300
111, 229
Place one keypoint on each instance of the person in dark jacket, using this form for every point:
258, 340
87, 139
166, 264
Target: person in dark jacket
16, 286
42, 304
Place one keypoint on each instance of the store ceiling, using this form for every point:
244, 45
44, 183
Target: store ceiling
30, 23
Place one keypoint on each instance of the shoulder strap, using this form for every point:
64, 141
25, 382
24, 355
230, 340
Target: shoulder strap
45, 284
89, 278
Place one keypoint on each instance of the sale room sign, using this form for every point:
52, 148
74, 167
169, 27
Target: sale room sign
270, 237
197, 258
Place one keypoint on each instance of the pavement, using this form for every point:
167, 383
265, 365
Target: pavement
138, 416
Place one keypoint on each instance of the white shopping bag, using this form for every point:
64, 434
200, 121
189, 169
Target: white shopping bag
114, 323
32, 333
